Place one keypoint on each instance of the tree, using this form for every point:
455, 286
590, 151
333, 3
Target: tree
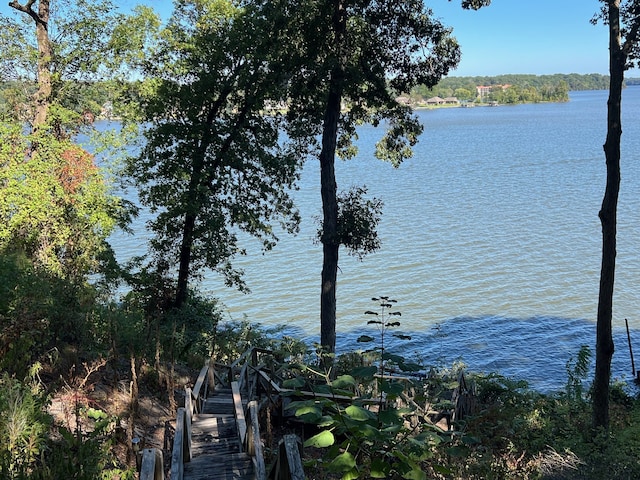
355, 57
74, 42
214, 162
56, 205
623, 20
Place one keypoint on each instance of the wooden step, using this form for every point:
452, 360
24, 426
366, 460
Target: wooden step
232, 466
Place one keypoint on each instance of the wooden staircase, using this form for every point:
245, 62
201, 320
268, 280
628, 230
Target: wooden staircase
216, 453
217, 434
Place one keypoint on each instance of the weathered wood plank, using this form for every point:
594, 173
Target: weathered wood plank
215, 446
198, 390
239, 411
152, 467
256, 442
177, 455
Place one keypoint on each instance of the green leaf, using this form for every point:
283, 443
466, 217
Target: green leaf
296, 382
410, 367
310, 414
352, 474
321, 440
364, 372
358, 413
390, 417
344, 381
442, 470
365, 338
96, 414
401, 336
342, 463
415, 473
458, 451
379, 468
393, 389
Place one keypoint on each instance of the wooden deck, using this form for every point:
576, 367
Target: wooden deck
216, 453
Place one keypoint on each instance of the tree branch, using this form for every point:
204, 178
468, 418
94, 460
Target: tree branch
28, 9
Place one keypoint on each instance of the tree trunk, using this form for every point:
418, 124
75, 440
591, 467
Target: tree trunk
608, 219
43, 94
330, 241
328, 190
185, 260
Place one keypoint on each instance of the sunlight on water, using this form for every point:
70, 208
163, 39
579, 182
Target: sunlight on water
490, 231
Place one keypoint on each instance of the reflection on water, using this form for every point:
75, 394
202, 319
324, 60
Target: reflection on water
490, 231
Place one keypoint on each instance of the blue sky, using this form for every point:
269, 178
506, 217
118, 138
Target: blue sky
528, 36
510, 36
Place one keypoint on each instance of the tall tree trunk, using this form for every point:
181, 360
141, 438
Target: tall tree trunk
328, 190
330, 241
41, 18
182, 289
608, 219
43, 95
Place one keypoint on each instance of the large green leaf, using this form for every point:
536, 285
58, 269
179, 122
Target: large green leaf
359, 414
321, 440
344, 381
415, 473
342, 463
309, 413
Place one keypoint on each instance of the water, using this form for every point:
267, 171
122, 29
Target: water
490, 241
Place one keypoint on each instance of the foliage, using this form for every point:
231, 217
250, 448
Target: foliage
358, 219
23, 427
90, 41
348, 62
524, 87
364, 422
54, 204
577, 371
384, 325
214, 162
81, 455
38, 312
232, 338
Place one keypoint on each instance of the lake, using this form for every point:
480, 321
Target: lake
490, 241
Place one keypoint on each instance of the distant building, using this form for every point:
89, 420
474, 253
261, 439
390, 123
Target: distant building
435, 101
483, 90
451, 101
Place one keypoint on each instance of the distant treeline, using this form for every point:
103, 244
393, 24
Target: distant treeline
512, 88
516, 88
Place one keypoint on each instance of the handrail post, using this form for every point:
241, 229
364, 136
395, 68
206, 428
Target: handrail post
182, 438
188, 403
255, 448
152, 464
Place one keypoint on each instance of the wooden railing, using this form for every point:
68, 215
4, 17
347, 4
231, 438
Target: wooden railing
244, 376
193, 404
152, 465
249, 430
288, 465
